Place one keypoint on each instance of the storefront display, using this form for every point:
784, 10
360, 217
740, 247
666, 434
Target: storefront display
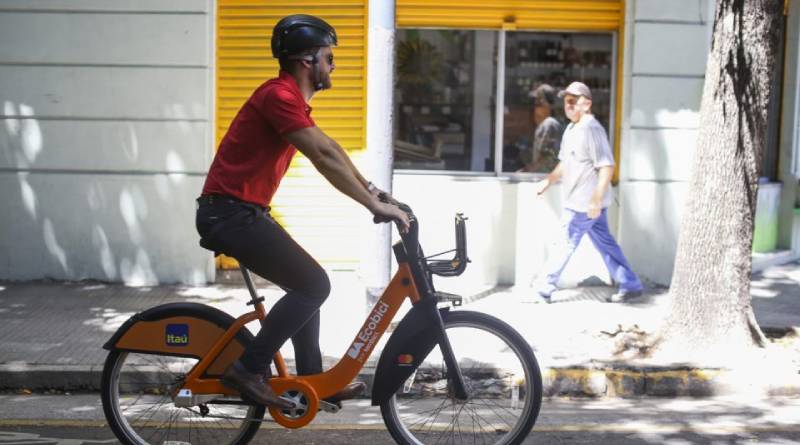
434, 99
556, 59
445, 95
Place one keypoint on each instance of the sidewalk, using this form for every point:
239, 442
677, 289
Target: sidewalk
51, 333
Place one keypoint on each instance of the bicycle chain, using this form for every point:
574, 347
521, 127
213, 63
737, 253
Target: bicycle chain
212, 416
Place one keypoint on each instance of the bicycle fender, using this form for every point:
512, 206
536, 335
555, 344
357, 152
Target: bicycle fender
410, 343
180, 329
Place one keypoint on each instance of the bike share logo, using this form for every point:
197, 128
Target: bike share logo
367, 335
177, 335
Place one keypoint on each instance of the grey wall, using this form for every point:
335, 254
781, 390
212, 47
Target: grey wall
666, 49
105, 137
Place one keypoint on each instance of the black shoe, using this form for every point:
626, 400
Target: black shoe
253, 387
350, 391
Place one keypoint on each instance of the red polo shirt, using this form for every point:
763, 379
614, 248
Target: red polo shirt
253, 156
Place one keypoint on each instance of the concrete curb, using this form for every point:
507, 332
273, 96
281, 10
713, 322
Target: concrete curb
557, 381
660, 382
43, 377
666, 382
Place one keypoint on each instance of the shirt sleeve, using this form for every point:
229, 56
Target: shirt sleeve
599, 148
285, 111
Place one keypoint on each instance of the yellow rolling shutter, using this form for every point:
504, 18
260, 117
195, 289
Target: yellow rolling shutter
319, 218
581, 15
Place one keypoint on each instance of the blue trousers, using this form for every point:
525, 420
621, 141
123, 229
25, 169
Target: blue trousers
577, 224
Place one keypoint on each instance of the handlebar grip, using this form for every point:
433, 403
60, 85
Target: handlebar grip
380, 219
388, 199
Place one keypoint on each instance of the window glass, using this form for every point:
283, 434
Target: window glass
445, 96
444, 106
769, 159
533, 118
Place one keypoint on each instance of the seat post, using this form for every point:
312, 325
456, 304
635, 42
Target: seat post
249, 282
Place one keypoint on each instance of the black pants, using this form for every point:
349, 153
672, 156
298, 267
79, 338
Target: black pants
248, 233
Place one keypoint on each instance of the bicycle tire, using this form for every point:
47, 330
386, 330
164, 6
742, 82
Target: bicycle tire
135, 391
411, 415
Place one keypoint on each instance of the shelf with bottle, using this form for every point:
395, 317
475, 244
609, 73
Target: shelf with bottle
436, 104
555, 54
535, 67
455, 111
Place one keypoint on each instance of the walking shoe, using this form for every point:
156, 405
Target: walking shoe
253, 387
622, 296
350, 391
545, 292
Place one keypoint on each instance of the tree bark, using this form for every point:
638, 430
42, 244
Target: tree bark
710, 288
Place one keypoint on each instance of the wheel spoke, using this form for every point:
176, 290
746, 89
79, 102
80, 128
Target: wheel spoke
144, 413
492, 357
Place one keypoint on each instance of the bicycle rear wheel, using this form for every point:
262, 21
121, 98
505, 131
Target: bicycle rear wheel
137, 393
502, 377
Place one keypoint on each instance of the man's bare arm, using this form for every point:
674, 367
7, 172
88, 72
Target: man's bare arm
334, 164
604, 175
551, 179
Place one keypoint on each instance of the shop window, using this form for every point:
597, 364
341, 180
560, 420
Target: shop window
443, 84
771, 154
555, 60
446, 95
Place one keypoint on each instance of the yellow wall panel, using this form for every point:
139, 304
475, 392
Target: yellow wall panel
525, 14
306, 205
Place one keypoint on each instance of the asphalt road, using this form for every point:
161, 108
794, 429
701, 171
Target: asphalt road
78, 420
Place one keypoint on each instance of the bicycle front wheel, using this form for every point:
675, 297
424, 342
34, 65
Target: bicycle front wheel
137, 399
502, 377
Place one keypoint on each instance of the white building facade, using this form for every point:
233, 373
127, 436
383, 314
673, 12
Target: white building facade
112, 112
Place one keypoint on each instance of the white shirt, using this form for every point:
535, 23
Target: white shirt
584, 149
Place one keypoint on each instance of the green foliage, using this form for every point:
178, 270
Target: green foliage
419, 65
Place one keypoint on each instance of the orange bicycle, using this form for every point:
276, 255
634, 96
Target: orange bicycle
444, 375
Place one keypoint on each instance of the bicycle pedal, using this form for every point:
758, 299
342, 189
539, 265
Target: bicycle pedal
329, 407
292, 401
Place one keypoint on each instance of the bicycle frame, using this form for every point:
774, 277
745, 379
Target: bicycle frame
215, 349
331, 381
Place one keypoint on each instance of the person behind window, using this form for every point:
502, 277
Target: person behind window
585, 168
542, 154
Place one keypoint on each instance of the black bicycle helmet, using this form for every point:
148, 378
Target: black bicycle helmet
295, 33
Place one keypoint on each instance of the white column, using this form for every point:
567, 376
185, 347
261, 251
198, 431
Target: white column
500, 101
483, 74
376, 259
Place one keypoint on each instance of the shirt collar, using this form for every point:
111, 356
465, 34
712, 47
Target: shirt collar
285, 76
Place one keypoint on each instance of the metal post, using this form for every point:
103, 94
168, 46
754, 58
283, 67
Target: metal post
500, 101
376, 258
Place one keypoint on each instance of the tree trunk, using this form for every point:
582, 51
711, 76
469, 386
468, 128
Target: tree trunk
711, 282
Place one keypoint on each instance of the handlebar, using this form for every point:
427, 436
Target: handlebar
446, 268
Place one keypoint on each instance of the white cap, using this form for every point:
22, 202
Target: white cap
577, 89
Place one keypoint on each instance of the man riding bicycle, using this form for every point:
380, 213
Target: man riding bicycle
233, 211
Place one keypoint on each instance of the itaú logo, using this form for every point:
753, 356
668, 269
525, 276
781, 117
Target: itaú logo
177, 334
367, 335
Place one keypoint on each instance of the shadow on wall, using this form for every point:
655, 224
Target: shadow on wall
111, 201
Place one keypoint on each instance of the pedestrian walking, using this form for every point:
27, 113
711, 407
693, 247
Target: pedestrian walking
585, 168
